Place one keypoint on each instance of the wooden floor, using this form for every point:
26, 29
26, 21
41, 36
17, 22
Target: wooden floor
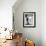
9, 43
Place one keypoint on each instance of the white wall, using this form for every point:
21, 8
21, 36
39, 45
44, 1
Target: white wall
36, 33
30, 33
43, 22
6, 13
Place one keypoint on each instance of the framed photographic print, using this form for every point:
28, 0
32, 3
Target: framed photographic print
29, 19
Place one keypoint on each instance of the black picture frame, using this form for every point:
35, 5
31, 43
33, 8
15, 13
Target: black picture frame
29, 19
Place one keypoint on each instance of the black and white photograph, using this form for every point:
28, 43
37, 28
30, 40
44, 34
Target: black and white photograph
29, 19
